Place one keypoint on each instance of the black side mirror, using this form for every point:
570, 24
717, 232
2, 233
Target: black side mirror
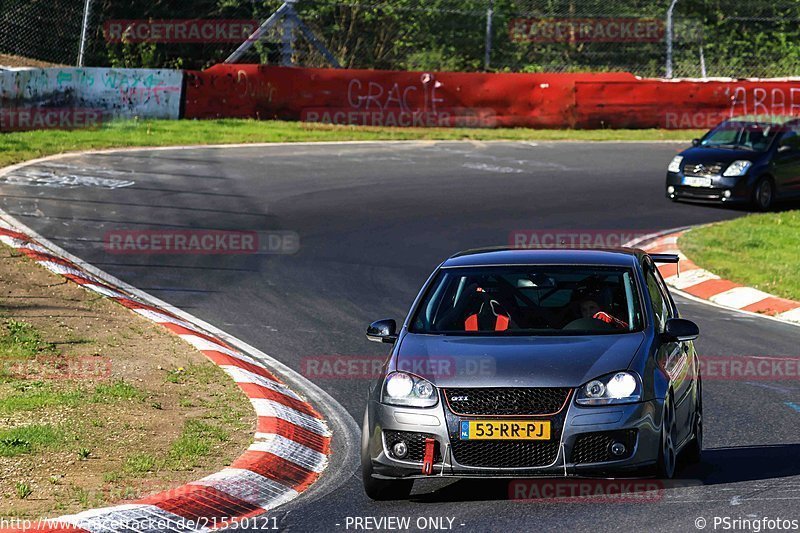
782, 149
695, 142
680, 330
383, 331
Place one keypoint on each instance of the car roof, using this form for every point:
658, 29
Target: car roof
626, 257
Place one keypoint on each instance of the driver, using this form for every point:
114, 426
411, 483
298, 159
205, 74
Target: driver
591, 309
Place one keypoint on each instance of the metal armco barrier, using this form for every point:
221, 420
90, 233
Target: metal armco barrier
388, 98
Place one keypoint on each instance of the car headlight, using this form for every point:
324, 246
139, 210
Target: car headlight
401, 388
738, 168
619, 387
675, 164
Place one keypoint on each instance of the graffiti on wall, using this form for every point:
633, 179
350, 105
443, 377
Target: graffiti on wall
36, 96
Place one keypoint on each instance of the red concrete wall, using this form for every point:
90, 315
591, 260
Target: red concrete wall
478, 100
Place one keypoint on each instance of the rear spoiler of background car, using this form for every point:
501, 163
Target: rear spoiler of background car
667, 258
664, 258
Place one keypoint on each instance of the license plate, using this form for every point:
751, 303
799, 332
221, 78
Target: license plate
505, 430
694, 181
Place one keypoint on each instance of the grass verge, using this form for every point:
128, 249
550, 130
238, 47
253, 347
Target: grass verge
758, 250
20, 146
99, 406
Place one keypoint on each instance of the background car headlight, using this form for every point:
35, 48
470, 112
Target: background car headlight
401, 388
675, 164
619, 387
738, 168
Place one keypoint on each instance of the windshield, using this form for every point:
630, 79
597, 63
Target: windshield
530, 300
750, 136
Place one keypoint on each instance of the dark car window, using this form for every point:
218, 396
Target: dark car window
753, 136
530, 300
661, 309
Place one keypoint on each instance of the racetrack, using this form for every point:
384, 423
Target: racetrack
373, 221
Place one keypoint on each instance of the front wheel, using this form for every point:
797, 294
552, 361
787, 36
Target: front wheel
764, 194
665, 468
385, 489
694, 450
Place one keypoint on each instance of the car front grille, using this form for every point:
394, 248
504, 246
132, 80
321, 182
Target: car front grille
415, 443
506, 401
596, 447
703, 169
504, 454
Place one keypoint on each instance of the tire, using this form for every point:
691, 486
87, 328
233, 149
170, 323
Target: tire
694, 449
379, 489
385, 489
764, 194
667, 455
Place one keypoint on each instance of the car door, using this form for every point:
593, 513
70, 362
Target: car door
786, 162
673, 357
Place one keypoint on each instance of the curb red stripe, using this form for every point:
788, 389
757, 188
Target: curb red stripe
276, 468
772, 306
194, 502
222, 359
177, 329
284, 428
65, 528
14, 235
252, 390
711, 287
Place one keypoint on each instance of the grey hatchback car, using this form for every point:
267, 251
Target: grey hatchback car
529, 363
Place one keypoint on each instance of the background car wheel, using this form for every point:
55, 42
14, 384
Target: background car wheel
385, 489
764, 194
694, 450
667, 457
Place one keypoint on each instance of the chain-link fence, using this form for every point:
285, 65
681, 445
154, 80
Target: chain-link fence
682, 38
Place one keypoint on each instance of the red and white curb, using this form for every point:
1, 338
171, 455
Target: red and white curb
705, 285
290, 450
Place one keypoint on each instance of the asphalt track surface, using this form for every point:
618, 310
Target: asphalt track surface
373, 221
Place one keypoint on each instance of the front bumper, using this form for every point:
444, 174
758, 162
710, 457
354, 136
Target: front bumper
722, 189
642, 420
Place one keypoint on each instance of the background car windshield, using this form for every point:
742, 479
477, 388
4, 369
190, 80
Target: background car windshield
741, 135
530, 300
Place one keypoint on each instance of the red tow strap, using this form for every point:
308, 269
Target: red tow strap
427, 463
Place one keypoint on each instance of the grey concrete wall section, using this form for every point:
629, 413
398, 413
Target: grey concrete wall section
118, 93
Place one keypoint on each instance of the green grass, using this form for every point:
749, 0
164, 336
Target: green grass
26, 439
20, 340
139, 463
20, 146
33, 395
196, 441
760, 251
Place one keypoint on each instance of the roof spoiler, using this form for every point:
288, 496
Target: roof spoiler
664, 258
667, 258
